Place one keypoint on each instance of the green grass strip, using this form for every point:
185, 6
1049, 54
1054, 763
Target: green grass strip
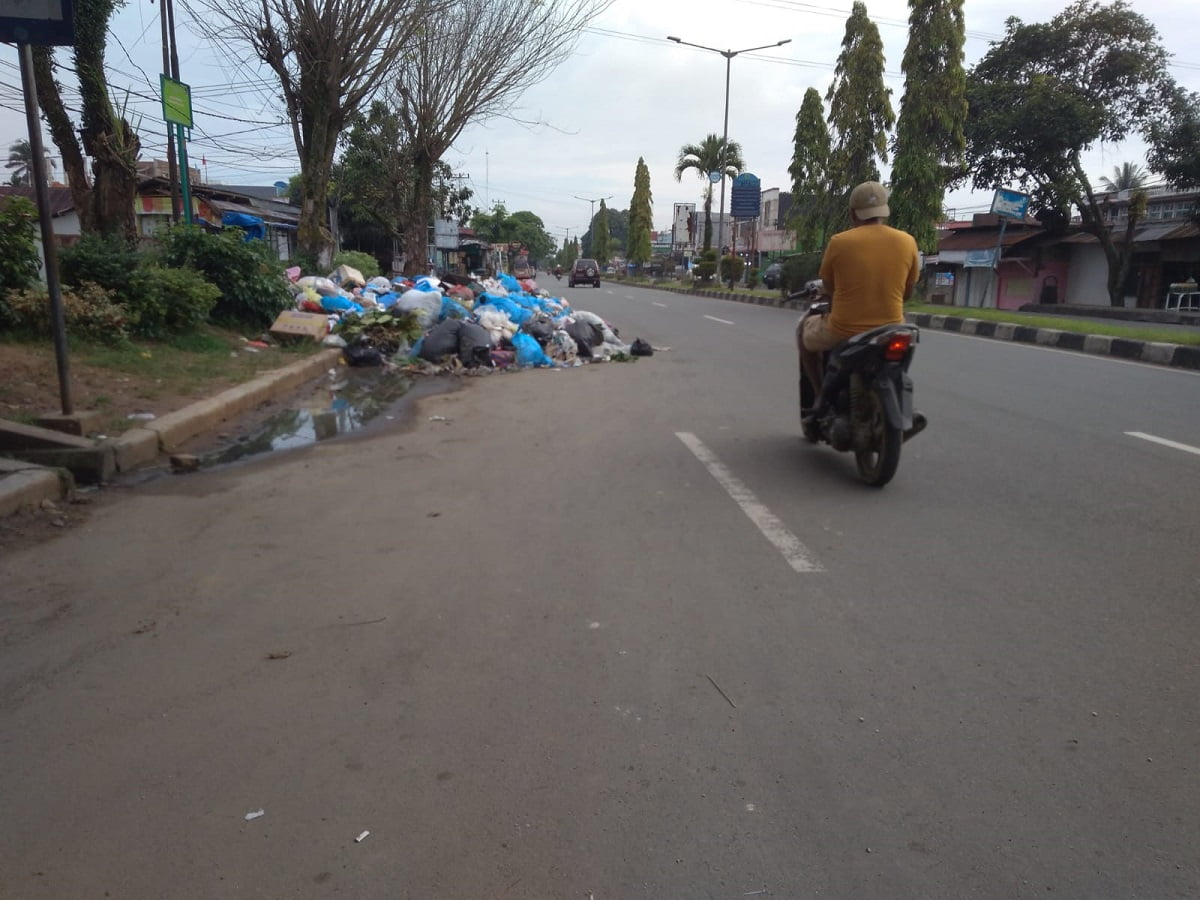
1136, 332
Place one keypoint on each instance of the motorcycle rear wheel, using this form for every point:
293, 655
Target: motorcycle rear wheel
879, 461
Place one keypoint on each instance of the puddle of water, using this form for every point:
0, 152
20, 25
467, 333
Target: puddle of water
333, 408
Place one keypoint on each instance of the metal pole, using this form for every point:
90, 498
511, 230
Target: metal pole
994, 266
183, 175
724, 144
49, 249
172, 165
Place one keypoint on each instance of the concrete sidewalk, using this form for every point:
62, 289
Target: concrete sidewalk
24, 485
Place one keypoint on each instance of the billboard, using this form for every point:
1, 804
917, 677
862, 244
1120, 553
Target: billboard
683, 225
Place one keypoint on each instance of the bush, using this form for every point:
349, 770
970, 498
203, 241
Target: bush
731, 268
707, 267
799, 269
19, 260
752, 277
163, 301
250, 276
91, 313
106, 261
356, 259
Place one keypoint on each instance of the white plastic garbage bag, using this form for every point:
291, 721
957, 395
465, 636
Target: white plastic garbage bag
425, 304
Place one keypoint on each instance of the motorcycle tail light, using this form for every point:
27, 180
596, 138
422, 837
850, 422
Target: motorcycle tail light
896, 347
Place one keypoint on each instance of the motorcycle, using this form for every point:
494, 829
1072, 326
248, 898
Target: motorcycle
558, 273
866, 402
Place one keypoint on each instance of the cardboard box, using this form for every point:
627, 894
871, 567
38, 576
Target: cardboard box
310, 325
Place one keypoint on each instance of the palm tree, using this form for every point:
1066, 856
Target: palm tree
1126, 177
710, 156
20, 158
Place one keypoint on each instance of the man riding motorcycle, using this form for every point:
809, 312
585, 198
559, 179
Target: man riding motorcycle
868, 271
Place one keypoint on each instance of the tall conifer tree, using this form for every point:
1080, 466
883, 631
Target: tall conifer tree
929, 144
640, 216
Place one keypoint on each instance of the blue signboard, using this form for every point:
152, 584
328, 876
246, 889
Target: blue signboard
746, 198
49, 23
1010, 204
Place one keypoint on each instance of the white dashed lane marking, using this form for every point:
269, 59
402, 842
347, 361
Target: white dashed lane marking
773, 530
1154, 439
722, 321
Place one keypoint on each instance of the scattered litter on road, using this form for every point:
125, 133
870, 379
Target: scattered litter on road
721, 692
141, 417
279, 654
182, 463
255, 814
361, 837
438, 419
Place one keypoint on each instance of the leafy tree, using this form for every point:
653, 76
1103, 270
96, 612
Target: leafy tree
502, 228
812, 214
860, 111
709, 156
929, 146
441, 84
329, 58
1046, 93
376, 178
641, 216
1125, 177
618, 232
600, 245
104, 203
19, 260
1175, 140
20, 159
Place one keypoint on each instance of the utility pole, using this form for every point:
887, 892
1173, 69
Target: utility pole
172, 165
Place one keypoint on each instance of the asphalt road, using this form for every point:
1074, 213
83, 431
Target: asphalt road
616, 632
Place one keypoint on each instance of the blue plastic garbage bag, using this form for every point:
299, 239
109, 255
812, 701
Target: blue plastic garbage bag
529, 351
388, 299
509, 283
338, 303
424, 284
519, 314
452, 309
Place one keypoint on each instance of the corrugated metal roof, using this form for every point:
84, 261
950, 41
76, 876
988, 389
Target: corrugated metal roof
1157, 231
61, 201
981, 240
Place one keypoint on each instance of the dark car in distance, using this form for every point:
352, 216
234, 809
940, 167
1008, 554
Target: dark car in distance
772, 275
584, 271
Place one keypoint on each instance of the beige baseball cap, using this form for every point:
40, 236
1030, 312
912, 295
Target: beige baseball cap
870, 200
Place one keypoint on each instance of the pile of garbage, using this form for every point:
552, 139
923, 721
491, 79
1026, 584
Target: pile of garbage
453, 322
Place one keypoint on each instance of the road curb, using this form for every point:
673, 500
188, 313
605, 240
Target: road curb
25, 485
143, 444
1177, 356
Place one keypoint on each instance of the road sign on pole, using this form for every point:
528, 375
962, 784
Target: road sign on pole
46, 23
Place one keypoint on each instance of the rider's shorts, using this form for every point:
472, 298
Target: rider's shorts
818, 337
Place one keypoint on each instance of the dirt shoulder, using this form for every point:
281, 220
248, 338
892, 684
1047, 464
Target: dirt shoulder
138, 380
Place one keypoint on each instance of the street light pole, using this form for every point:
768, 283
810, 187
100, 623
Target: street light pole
593, 205
729, 55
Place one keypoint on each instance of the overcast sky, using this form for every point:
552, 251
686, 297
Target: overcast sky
625, 92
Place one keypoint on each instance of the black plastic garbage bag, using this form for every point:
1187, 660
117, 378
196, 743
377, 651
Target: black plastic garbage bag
541, 327
586, 337
442, 340
360, 354
474, 345
641, 348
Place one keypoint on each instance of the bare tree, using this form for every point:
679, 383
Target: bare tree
330, 56
442, 84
